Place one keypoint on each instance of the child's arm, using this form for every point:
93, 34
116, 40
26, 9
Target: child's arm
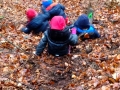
62, 7
91, 33
73, 37
26, 30
45, 15
79, 31
43, 9
42, 44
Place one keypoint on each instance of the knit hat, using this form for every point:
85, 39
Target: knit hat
46, 3
57, 23
82, 22
31, 13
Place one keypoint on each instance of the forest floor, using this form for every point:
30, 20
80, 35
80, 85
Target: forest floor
92, 65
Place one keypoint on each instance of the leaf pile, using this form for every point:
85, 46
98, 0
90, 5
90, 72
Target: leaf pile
92, 65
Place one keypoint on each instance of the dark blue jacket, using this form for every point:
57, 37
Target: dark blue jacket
58, 42
38, 24
57, 10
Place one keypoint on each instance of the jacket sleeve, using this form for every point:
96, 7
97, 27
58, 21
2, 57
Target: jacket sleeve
79, 31
62, 7
43, 9
89, 31
73, 39
42, 44
45, 14
97, 35
93, 33
29, 27
55, 11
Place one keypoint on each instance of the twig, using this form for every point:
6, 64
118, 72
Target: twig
51, 88
13, 43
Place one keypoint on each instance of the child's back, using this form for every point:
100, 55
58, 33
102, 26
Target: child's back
58, 38
54, 9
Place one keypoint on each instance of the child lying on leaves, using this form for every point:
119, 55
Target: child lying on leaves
36, 22
84, 29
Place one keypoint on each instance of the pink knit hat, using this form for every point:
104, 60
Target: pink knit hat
31, 13
57, 23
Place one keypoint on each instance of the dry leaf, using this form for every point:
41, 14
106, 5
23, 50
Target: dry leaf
117, 57
51, 82
66, 64
74, 76
116, 86
105, 88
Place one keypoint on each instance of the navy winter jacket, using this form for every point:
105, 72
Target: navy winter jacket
38, 24
57, 10
58, 42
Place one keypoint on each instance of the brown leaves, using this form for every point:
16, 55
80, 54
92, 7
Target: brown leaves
76, 71
116, 86
7, 45
117, 58
24, 56
105, 88
51, 82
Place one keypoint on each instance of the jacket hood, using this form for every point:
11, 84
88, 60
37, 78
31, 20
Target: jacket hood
82, 22
31, 13
46, 3
57, 23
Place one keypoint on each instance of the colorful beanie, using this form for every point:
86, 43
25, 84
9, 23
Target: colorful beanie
82, 22
57, 23
31, 13
46, 3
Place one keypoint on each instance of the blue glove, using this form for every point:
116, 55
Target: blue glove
25, 30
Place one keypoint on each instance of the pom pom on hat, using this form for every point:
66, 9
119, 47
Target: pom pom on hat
57, 23
31, 13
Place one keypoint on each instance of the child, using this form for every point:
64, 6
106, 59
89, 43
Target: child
84, 29
58, 37
36, 22
54, 9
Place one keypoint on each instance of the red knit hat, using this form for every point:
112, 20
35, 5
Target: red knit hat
57, 23
31, 13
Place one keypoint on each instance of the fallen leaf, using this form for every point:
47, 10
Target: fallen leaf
74, 76
105, 88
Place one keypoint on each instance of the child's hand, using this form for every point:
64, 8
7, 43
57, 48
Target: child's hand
35, 55
34, 52
86, 35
